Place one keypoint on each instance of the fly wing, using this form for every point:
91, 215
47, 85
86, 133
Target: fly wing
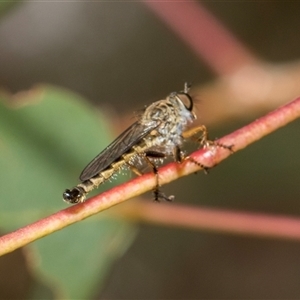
117, 148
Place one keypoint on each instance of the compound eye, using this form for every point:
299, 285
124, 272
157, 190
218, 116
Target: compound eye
187, 101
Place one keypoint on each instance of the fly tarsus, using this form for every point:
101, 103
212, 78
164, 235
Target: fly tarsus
227, 147
159, 195
205, 168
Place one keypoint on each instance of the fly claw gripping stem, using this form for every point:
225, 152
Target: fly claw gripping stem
157, 134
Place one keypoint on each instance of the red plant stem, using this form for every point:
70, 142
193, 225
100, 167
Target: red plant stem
204, 34
209, 157
243, 223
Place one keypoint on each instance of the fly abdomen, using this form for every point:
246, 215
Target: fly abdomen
78, 193
75, 195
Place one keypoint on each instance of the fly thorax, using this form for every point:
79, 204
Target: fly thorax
172, 118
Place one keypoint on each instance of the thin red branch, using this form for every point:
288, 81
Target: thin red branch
204, 34
209, 157
242, 223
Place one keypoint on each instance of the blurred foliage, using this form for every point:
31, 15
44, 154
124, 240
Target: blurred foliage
6, 6
46, 136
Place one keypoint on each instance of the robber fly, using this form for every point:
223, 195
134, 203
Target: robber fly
157, 134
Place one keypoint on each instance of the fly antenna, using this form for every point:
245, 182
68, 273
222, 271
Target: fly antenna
187, 86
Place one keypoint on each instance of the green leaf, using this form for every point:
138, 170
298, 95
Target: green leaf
6, 6
76, 260
44, 146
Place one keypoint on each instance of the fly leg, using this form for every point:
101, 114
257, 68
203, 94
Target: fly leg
134, 169
156, 191
147, 155
127, 157
179, 158
204, 141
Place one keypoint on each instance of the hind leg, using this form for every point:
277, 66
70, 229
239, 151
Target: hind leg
158, 194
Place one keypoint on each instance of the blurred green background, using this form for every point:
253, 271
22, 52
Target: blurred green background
61, 60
